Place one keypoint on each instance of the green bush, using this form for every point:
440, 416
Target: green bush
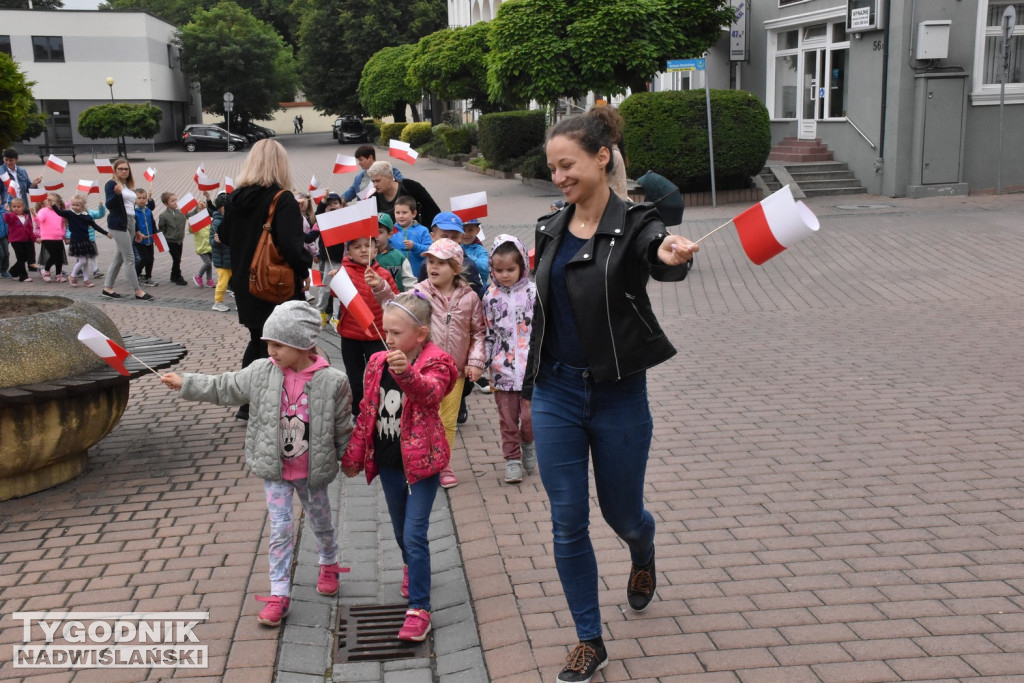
372, 128
507, 135
417, 134
391, 131
667, 132
534, 164
459, 140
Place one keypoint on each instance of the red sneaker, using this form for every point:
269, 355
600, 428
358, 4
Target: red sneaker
327, 583
448, 479
275, 611
416, 626
405, 581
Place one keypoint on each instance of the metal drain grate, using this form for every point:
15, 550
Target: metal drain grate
369, 633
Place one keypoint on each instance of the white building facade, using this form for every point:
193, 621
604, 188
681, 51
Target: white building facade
70, 54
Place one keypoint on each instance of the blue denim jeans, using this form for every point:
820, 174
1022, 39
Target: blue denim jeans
574, 421
409, 507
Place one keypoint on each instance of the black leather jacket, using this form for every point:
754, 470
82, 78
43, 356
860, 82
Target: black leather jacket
607, 282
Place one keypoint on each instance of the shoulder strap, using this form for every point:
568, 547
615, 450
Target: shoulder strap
273, 208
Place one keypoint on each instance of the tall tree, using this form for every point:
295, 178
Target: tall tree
36, 4
383, 89
451, 64
338, 37
18, 113
226, 49
546, 49
277, 13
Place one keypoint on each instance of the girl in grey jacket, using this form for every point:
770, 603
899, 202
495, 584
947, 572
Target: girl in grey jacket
299, 426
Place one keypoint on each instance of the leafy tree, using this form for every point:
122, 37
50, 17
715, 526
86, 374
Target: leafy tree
338, 37
18, 111
226, 49
120, 119
546, 49
277, 13
451, 64
383, 89
36, 4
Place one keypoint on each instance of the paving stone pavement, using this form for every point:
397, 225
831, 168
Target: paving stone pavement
834, 475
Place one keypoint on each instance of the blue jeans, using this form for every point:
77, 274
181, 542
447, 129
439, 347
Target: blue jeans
575, 420
409, 507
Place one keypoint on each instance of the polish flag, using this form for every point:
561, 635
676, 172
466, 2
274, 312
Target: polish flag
4, 177
103, 166
342, 225
229, 184
316, 278
149, 174
199, 172
402, 150
104, 347
88, 187
36, 194
13, 191
206, 184
342, 287
470, 206
367, 193
314, 184
161, 242
54, 187
345, 164
187, 203
318, 195
198, 221
773, 225
58, 164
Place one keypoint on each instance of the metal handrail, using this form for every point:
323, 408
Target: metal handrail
866, 139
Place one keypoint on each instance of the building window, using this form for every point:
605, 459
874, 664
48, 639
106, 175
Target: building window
988, 54
48, 48
5, 45
807, 71
170, 56
783, 3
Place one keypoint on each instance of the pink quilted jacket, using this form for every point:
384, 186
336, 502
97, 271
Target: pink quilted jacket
425, 449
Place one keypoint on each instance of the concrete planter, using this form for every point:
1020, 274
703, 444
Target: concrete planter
45, 435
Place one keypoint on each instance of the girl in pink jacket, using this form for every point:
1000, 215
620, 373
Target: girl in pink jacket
51, 234
399, 436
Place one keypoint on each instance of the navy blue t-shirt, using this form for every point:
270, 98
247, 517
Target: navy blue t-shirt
562, 341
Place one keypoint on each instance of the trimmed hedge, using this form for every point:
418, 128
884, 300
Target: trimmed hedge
667, 132
459, 140
508, 135
417, 134
372, 128
391, 131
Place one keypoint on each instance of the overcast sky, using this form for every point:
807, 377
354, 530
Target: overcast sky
81, 4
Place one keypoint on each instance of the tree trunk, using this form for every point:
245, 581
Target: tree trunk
399, 113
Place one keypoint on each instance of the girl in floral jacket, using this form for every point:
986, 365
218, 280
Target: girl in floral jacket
399, 436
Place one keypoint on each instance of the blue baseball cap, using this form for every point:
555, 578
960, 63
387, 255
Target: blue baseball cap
446, 220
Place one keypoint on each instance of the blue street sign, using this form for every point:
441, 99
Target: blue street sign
686, 65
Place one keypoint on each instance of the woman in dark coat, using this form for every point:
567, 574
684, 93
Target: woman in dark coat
265, 173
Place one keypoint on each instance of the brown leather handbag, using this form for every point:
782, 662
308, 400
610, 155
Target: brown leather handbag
271, 279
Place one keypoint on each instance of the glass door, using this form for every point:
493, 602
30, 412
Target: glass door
813, 84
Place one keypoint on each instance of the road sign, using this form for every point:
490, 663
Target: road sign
686, 65
228, 98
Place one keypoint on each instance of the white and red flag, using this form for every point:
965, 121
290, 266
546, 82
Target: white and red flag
88, 187
198, 221
103, 166
229, 184
402, 150
470, 206
342, 225
53, 187
345, 164
187, 202
314, 184
773, 225
36, 194
342, 287
56, 163
12, 189
206, 184
149, 174
104, 347
199, 172
316, 278
318, 195
160, 240
367, 192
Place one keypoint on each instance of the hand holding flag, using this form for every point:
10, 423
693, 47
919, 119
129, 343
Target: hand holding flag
198, 221
342, 225
345, 290
149, 174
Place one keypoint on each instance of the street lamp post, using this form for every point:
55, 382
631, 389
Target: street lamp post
121, 150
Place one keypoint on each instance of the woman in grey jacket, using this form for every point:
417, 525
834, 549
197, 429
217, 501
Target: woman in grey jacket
300, 425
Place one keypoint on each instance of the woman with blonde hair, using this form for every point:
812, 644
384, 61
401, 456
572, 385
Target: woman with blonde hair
265, 175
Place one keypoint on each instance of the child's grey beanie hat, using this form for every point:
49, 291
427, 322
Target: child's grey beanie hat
293, 323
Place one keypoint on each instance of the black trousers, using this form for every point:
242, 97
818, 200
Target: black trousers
175, 249
355, 354
24, 255
145, 260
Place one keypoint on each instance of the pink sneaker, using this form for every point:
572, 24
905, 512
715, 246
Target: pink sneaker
405, 581
327, 583
275, 611
198, 280
210, 282
416, 626
448, 479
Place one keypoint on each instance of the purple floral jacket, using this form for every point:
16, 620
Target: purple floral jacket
509, 315
425, 449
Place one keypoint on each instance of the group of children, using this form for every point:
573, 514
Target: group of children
393, 413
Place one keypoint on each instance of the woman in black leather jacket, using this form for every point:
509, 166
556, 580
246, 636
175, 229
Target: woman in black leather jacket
594, 335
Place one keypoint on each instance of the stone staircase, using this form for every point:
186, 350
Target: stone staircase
809, 166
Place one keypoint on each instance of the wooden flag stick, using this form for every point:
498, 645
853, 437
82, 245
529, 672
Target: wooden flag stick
379, 335
714, 231
145, 366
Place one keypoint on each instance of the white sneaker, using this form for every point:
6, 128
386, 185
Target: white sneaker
513, 471
221, 306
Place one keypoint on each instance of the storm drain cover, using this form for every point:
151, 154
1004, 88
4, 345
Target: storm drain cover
369, 633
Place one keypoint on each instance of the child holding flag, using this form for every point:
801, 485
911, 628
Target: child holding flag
299, 425
411, 238
172, 224
402, 439
80, 222
392, 259
51, 234
203, 248
458, 325
357, 342
21, 231
145, 227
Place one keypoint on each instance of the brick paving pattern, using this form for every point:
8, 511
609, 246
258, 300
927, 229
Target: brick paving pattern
834, 474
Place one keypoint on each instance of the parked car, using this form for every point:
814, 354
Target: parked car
267, 132
248, 131
203, 136
349, 129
